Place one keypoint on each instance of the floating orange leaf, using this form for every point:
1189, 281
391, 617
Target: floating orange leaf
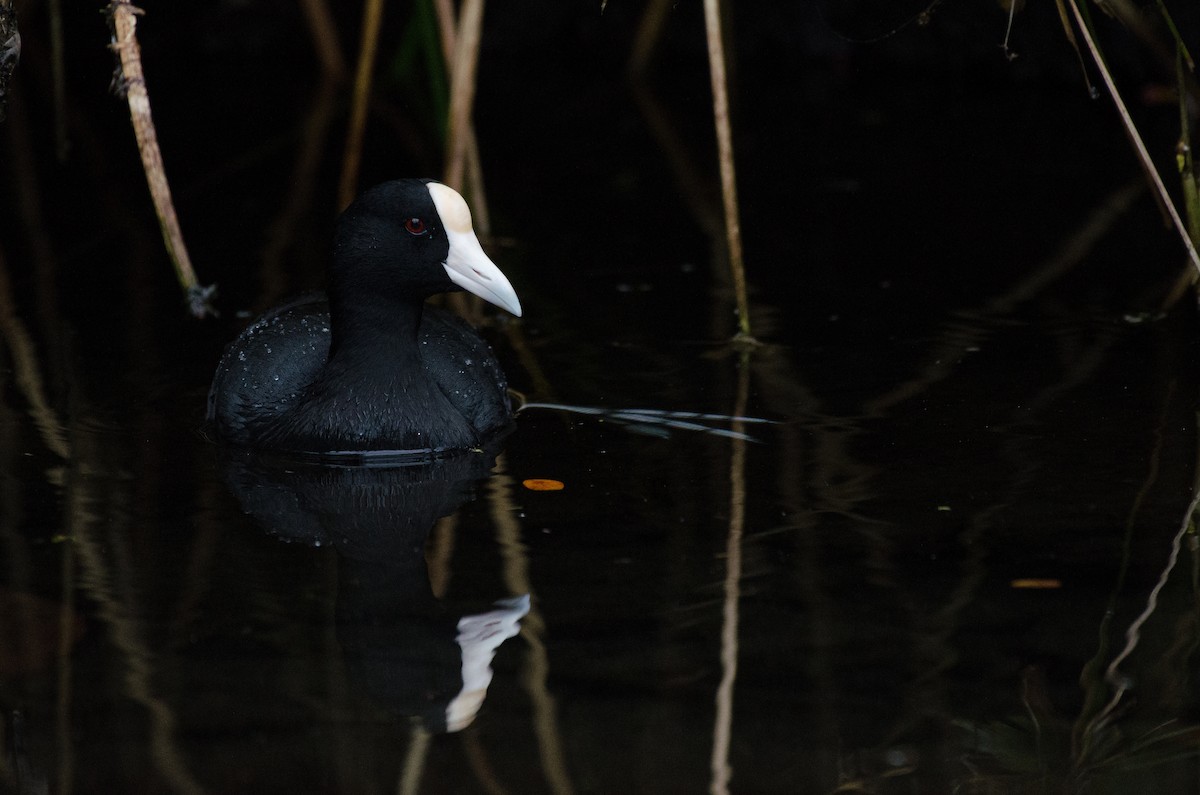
1036, 584
543, 484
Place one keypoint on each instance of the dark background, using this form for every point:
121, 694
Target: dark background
938, 439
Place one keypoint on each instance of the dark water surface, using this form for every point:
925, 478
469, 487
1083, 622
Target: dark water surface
952, 562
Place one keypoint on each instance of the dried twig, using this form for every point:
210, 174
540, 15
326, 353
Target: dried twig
462, 89
130, 81
463, 170
471, 171
733, 229
372, 19
649, 32
325, 39
1135, 138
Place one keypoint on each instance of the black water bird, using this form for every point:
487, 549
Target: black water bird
370, 367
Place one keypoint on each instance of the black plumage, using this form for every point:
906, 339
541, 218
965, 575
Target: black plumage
370, 367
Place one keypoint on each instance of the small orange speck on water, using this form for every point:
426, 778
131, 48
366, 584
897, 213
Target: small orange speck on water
543, 484
1036, 584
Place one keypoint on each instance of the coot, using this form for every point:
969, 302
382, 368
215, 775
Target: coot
370, 367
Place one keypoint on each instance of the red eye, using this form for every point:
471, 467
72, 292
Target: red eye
415, 226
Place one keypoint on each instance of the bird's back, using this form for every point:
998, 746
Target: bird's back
271, 387
267, 369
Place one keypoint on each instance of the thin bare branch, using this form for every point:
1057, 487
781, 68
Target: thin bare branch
372, 20
131, 81
1136, 138
325, 38
733, 228
462, 90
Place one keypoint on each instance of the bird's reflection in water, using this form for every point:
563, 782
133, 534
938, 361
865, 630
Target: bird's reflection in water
411, 654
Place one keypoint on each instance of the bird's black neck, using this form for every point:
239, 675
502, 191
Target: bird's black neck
373, 323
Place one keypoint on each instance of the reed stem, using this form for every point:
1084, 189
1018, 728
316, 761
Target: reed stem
462, 90
132, 83
1135, 137
352, 156
733, 230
